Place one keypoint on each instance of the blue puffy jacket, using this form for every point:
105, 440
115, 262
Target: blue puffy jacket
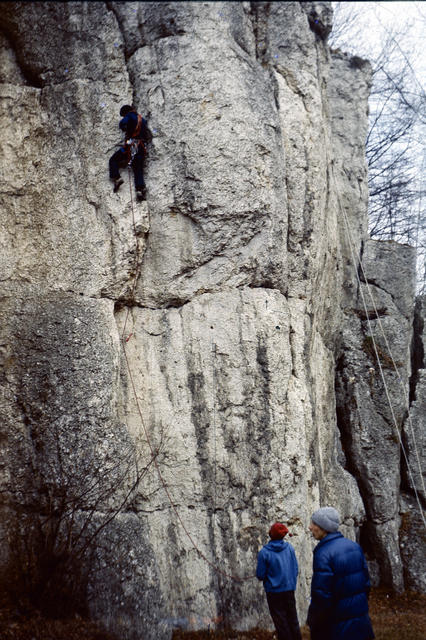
277, 566
339, 591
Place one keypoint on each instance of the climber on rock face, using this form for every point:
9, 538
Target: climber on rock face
133, 151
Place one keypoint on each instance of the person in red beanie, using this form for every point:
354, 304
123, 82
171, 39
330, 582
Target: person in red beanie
278, 570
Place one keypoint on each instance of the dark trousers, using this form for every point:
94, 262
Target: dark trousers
119, 159
320, 633
282, 607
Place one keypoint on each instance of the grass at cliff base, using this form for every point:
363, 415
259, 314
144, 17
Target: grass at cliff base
394, 617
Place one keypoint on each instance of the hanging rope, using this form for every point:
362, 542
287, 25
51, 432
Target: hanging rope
403, 386
214, 348
124, 342
376, 352
137, 260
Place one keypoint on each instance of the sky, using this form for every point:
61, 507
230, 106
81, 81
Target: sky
361, 28
375, 19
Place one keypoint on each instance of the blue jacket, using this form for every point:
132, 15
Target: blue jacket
128, 125
339, 591
277, 566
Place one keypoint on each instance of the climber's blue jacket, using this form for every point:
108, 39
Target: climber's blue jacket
130, 123
277, 566
339, 591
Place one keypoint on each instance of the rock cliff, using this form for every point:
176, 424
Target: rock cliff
220, 326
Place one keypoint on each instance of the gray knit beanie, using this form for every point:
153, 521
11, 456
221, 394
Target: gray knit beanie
327, 518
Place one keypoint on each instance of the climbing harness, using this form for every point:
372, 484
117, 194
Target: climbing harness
132, 147
134, 144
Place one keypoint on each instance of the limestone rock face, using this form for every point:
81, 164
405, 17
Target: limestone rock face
370, 373
174, 362
412, 534
415, 425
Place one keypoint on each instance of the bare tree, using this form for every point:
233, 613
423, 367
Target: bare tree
57, 509
394, 146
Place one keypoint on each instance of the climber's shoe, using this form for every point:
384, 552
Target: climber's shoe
117, 184
141, 193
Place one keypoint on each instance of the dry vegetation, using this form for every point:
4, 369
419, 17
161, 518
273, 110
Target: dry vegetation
394, 617
15, 626
398, 616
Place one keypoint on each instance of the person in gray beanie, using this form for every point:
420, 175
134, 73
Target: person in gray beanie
327, 518
340, 583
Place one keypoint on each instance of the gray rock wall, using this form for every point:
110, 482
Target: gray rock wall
414, 426
231, 328
373, 372
412, 531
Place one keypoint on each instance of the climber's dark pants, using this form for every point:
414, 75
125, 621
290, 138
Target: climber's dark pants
119, 159
282, 608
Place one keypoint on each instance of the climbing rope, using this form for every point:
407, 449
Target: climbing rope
404, 388
214, 348
137, 261
357, 263
124, 341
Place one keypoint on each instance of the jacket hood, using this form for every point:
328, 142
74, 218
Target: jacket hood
276, 545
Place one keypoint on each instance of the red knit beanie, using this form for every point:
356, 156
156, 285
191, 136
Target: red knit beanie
277, 531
